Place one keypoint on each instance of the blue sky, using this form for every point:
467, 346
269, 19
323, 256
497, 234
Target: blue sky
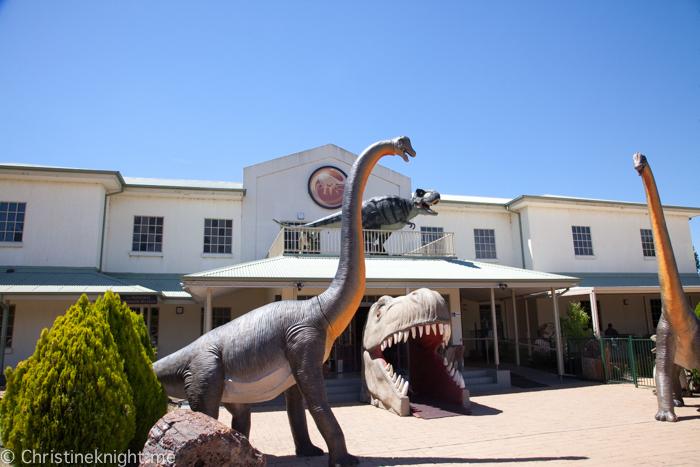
500, 98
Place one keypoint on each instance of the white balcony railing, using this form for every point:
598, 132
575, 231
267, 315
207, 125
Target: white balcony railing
304, 240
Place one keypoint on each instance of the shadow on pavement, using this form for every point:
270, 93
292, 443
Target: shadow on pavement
292, 460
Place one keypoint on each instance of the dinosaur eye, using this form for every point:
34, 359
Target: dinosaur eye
379, 314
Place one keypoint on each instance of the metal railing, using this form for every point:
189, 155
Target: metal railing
305, 240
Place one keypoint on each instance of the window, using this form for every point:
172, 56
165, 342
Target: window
432, 240
217, 235
647, 243
11, 221
10, 326
583, 244
430, 235
655, 305
150, 318
487, 321
148, 234
220, 316
485, 243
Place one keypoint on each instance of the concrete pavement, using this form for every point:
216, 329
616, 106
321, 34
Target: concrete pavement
572, 424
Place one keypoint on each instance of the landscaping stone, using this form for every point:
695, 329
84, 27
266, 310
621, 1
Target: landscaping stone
186, 438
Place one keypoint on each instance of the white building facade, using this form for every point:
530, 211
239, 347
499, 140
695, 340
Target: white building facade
191, 255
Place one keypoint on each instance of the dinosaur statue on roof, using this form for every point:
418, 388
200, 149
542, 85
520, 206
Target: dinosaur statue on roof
385, 212
678, 331
422, 320
281, 346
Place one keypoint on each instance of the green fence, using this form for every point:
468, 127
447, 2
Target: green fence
611, 359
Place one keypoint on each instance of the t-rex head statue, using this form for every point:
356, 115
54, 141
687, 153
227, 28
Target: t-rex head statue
420, 318
423, 200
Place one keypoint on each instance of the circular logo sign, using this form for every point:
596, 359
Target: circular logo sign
326, 187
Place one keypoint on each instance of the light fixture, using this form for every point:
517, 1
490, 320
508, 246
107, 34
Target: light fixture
300, 216
299, 285
503, 286
626, 301
179, 310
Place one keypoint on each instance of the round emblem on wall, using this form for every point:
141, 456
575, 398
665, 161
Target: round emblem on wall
326, 187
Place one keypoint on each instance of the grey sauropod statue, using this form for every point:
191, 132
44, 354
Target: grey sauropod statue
281, 346
678, 331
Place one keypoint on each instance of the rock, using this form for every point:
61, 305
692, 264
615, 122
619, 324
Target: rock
191, 439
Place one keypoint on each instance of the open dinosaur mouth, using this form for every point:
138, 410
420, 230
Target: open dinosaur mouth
425, 207
430, 373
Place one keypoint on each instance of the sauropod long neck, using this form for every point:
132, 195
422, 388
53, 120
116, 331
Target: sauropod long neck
345, 293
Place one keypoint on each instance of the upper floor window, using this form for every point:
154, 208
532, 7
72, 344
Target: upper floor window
217, 235
583, 244
647, 243
148, 234
485, 243
11, 221
430, 234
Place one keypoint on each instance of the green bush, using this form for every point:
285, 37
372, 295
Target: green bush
576, 323
141, 330
150, 400
72, 395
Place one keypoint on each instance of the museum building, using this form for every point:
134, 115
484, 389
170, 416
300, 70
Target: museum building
192, 255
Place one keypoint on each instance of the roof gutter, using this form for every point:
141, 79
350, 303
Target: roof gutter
104, 221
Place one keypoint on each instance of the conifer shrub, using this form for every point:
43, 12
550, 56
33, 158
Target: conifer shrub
72, 395
141, 330
150, 400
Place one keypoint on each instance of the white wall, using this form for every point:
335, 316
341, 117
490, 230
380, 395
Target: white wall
277, 189
615, 234
183, 232
62, 225
462, 220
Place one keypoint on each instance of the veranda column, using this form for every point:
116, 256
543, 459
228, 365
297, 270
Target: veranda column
495, 329
594, 313
207, 312
5, 317
527, 329
557, 330
515, 324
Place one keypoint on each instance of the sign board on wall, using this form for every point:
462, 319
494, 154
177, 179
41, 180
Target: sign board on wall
139, 299
326, 187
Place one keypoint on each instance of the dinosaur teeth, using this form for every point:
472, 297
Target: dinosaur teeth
404, 391
452, 373
413, 332
389, 341
383, 346
405, 336
448, 333
456, 376
427, 329
420, 331
390, 370
434, 328
449, 367
397, 337
461, 382
441, 328
444, 361
399, 382
394, 377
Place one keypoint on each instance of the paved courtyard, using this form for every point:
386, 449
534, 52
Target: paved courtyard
574, 424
